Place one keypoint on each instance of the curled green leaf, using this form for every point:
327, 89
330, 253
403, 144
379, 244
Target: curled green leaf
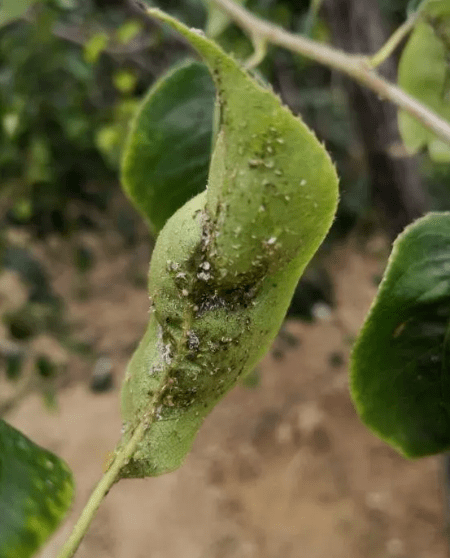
226, 264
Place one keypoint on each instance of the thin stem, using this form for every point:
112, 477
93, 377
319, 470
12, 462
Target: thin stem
311, 16
394, 40
101, 490
259, 53
354, 66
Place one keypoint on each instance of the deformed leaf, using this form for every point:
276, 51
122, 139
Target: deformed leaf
400, 377
167, 157
425, 74
36, 490
226, 264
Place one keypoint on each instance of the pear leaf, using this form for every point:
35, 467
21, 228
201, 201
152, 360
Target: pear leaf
226, 264
167, 155
400, 372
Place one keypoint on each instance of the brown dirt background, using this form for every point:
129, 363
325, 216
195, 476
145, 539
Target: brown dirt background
283, 470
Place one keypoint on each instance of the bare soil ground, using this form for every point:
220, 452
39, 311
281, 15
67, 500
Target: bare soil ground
284, 470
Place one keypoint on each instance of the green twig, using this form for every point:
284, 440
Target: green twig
394, 40
121, 458
259, 53
311, 16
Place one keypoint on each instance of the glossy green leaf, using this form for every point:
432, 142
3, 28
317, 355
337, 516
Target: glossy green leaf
401, 361
424, 73
226, 264
167, 156
13, 9
36, 490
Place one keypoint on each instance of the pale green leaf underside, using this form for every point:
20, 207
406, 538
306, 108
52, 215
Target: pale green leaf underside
400, 377
225, 265
36, 490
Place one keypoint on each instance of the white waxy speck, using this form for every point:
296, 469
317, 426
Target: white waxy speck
272, 240
198, 32
205, 265
185, 292
262, 208
303, 182
204, 276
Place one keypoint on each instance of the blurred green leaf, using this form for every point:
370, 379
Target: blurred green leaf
166, 159
39, 161
400, 376
36, 490
125, 81
425, 74
95, 46
13, 9
128, 31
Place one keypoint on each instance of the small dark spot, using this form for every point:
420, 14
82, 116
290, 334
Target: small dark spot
336, 359
277, 354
